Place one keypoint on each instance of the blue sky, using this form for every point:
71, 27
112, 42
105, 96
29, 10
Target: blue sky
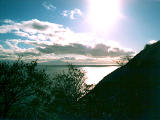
77, 31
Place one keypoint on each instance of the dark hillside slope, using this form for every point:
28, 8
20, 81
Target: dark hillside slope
132, 92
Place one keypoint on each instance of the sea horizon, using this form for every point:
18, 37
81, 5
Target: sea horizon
91, 65
94, 73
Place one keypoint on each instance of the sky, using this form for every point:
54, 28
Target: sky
76, 31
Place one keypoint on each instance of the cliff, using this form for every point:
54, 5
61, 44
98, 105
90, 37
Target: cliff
132, 92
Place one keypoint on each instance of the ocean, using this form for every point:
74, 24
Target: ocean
94, 73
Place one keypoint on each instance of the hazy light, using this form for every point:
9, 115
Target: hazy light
103, 13
95, 74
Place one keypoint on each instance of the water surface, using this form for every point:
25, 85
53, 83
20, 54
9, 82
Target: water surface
93, 73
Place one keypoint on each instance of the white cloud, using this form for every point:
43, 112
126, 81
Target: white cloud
52, 41
72, 14
65, 13
14, 50
48, 6
152, 41
36, 30
8, 21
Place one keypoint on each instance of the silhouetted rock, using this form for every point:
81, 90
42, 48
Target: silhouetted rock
132, 92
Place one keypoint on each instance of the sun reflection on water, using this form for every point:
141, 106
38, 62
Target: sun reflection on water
95, 74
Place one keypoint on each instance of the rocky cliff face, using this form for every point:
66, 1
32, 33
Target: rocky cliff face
132, 92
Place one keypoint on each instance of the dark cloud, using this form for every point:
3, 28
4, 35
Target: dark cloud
34, 25
100, 50
27, 54
68, 49
39, 26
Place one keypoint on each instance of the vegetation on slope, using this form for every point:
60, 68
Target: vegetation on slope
28, 93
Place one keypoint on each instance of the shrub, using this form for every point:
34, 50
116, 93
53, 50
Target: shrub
69, 86
124, 60
28, 93
24, 90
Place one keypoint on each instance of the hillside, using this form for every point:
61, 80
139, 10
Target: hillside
131, 92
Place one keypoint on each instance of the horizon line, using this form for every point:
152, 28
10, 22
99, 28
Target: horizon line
83, 65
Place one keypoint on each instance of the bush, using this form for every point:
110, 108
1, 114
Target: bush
124, 60
24, 90
69, 86
28, 93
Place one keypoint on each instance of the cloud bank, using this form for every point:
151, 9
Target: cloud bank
51, 42
99, 50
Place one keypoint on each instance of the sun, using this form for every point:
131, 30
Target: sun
103, 13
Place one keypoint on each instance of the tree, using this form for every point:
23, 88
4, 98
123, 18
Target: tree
29, 93
23, 89
69, 86
124, 60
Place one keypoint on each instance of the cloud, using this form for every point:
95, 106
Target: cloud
99, 50
48, 41
152, 41
68, 58
72, 14
50, 33
14, 50
35, 29
48, 6
27, 53
8, 21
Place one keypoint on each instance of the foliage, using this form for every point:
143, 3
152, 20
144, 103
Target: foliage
24, 90
69, 86
29, 93
124, 60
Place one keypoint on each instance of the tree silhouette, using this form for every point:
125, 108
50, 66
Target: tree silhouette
69, 86
27, 92
22, 87
124, 60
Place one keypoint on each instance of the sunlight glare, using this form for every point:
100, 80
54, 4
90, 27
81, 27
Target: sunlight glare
103, 13
95, 74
